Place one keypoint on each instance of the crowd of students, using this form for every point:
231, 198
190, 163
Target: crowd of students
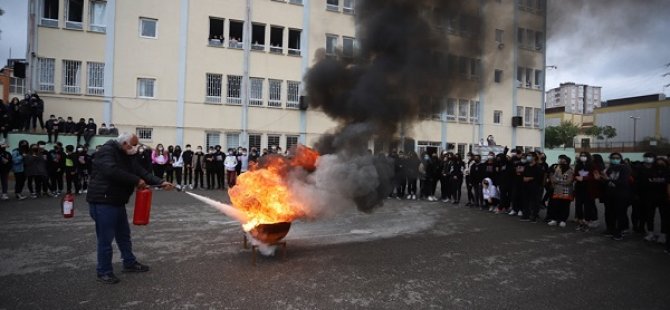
522, 184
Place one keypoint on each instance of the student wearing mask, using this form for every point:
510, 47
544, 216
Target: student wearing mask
505, 180
169, 169
198, 161
36, 171
159, 159
618, 196
533, 177
433, 170
83, 168
585, 204
69, 127
187, 158
89, 131
5, 167
144, 156
243, 161
400, 177
210, 168
103, 131
456, 168
177, 165
230, 163
56, 169
18, 156
519, 165
490, 195
650, 182
562, 178
52, 126
80, 129
445, 180
71, 175
112, 130
219, 157
469, 187
412, 172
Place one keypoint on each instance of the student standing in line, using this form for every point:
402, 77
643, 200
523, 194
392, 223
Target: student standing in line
219, 157
18, 156
199, 166
177, 165
159, 159
532, 185
71, 176
210, 164
230, 163
618, 196
562, 178
187, 158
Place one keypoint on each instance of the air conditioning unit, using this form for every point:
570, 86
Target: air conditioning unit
517, 121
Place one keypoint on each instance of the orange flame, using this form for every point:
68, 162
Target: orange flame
263, 194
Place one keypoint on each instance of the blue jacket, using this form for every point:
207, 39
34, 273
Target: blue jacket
17, 161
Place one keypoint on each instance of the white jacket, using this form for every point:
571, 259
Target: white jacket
491, 191
178, 162
230, 163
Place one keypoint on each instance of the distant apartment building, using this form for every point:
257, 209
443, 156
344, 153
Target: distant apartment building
576, 98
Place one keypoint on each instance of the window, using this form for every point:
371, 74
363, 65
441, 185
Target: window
256, 92
216, 36
235, 34
74, 14
538, 79
212, 139
474, 112
463, 107
528, 121
332, 5
519, 111
17, 86
146, 87
530, 36
148, 28
97, 17
461, 149
451, 109
293, 94
348, 6
258, 37
499, 36
294, 42
474, 68
520, 34
348, 47
519, 76
276, 40
96, 78
529, 77
497, 76
49, 13
255, 142
331, 44
539, 41
497, 117
46, 70
144, 133
234, 89
275, 94
273, 140
214, 87
71, 76
291, 141
232, 141
295, 2
537, 113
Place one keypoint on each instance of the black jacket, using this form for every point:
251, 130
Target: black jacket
114, 176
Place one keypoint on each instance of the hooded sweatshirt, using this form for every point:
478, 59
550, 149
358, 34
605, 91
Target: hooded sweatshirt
491, 191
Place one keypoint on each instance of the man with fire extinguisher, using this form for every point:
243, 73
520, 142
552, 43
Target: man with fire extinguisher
114, 176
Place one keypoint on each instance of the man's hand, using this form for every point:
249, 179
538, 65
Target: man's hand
141, 184
167, 186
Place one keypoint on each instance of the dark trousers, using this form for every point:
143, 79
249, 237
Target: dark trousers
188, 175
159, 170
177, 173
493, 203
220, 178
469, 188
616, 215
72, 178
211, 179
111, 222
505, 195
531, 201
650, 206
83, 179
548, 192
4, 175
425, 187
411, 186
199, 178
558, 210
56, 181
169, 173
37, 117
455, 191
54, 134
517, 197
401, 184
231, 176
40, 184
445, 189
479, 195
639, 214
88, 136
585, 207
19, 182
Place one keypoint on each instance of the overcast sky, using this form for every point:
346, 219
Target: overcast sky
621, 45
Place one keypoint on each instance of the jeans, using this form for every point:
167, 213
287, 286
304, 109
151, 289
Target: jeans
111, 222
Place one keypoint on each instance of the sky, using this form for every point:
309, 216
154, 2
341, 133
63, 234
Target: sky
621, 45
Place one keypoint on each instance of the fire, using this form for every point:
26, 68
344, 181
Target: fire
263, 195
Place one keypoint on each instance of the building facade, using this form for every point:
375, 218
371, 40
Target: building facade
576, 98
636, 118
229, 72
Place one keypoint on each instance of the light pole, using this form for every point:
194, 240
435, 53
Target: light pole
634, 118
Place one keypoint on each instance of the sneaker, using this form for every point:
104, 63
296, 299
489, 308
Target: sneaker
562, 224
33, 196
4, 197
136, 267
413, 197
552, 223
520, 213
594, 224
511, 213
21, 197
445, 200
190, 186
650, 237
108, 279
490, 209
408, 197
398, 197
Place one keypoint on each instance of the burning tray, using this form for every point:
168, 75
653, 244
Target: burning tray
270, 233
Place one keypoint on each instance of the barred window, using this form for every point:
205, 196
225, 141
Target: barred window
255, 142
214, 85
348, 44
463, 109
451, 109
497, 117
291, 141
331, 44
146, 88
332, 5
232, 140
71, 76
293, 94
528, 121
256, 92
212, 139
234, 89
96, 78
348, 6
46, 68
273, 140
144, 133
275, 93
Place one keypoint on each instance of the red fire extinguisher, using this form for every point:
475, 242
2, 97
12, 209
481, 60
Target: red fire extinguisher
67, 206
142, 207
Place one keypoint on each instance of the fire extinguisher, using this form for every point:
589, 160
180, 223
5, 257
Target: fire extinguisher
67, 206
142, 207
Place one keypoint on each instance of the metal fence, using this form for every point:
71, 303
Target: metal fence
657, 147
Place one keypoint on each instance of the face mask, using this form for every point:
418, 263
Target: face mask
649, 160
160, 149
615, 161
80, 150
523, 160
486, 184
583, 159
41, 146
426, 157
244, 153
230, 153
188, 148
133, 150
199, 150
490, 157
563, 163
141, 150
529, 158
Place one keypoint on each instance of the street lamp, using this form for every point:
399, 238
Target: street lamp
634, 118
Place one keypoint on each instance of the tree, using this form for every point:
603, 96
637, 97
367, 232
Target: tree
564, 135
595, 131
609, 132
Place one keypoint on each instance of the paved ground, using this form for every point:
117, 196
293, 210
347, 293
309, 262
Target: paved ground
407, 255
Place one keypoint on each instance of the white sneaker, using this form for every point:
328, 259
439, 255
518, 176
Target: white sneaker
650, 237
413, 197
594, 224
4, 197
552, 223
511, 213
661, 238
432, 198
190, 186
491, 209
408, 197
520, 214
562, 224
445, 200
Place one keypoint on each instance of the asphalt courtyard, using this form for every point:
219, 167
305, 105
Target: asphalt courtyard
406, 255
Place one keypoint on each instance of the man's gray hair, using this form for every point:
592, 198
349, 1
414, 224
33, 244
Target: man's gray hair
125, 137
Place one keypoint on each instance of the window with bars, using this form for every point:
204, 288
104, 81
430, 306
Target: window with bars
17, 86
46, 72
474, 111
275, 93
528, 121
273, 140
291, 141
538, 79
214, 85
451, 109
146, 87
212, 139
74, 14
293, 95
144, 133
537, 114
49, 13
232, 140
234, 89
96, 78
97, 16
256, 92
255, 141
463, 109
497, 117
71, 76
